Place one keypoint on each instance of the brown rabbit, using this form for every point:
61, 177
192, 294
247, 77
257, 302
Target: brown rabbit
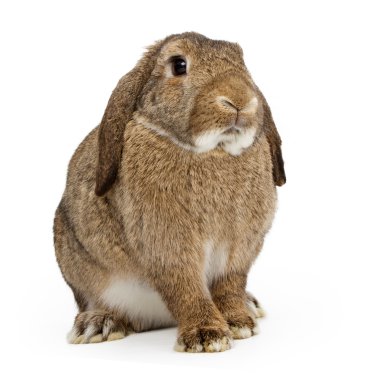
168, 201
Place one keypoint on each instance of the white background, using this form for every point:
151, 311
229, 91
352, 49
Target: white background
315, 63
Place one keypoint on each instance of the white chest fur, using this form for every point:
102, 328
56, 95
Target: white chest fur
216, 258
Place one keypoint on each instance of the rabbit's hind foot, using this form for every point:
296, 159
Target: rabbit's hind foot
97, 326
254, 306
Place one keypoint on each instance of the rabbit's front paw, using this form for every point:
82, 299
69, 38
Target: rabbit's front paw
243, 327
242, 331
96, 326
204, 340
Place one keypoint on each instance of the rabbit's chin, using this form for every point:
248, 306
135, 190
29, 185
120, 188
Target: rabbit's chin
233, 140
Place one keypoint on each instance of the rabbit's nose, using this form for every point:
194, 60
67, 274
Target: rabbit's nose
226, 102
223, 101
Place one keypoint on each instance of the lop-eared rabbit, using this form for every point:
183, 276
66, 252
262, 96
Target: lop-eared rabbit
168, 200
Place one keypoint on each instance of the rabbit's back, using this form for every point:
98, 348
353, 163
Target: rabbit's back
91, 220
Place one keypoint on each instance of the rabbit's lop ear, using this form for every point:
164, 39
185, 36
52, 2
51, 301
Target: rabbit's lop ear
275, 143
118, 113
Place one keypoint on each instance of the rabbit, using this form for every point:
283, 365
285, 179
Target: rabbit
168, 200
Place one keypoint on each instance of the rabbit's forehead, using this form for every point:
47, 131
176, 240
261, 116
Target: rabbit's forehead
203, 51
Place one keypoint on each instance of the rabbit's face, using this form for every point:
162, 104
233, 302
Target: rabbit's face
201, 94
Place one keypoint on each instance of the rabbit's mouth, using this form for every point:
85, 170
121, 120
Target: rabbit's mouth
234, 130
234, 139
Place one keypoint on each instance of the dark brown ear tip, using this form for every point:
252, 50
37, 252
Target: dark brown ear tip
102, 186
100, 191
279, 175
280, 181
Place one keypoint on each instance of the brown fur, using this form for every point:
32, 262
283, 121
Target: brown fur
160, 202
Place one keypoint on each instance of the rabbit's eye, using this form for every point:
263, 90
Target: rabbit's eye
179, 66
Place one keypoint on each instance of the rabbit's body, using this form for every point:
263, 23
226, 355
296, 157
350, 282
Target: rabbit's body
225, 206
173, 239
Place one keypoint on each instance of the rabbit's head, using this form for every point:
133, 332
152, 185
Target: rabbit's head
196, 91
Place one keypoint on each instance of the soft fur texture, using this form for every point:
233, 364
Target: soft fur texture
147, 213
